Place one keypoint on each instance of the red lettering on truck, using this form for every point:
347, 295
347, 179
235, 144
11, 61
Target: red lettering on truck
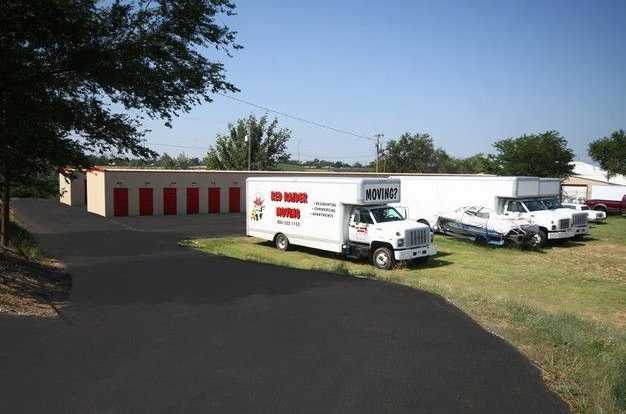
293, 213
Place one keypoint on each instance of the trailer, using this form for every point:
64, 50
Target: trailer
348, 216
425, 197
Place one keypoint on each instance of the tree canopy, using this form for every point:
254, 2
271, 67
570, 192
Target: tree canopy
268, 145
610, 152
79, 77
539, 155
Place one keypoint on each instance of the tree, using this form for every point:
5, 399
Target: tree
77, 77
540, 155
610, 153
413, 153
268, 145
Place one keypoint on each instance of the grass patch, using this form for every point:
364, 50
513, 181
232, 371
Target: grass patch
564, 306
30, 283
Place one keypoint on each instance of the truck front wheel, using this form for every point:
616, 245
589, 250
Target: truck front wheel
281, 241
383, 258
541, 238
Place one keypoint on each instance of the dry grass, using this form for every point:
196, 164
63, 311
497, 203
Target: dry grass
30, 283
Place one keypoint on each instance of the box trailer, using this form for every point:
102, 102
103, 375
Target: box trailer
349, 216
424, 197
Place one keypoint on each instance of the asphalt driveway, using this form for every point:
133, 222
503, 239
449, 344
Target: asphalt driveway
153, 327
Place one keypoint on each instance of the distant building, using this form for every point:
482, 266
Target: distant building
578, 186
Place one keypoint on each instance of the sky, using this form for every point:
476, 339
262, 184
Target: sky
466, 72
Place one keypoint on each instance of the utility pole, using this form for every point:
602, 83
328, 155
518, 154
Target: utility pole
249, 141
378, 138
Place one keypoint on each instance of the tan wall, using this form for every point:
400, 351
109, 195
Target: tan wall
72, 192
101, 184
96, 196
582, 182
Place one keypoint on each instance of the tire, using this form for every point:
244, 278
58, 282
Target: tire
281, 242
601, 208
481, 241
383, 258
543, 238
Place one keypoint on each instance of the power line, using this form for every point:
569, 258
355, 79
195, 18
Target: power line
298, 118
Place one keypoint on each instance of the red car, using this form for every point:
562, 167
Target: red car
608, 206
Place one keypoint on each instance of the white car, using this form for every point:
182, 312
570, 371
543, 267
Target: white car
594, 216
487, 226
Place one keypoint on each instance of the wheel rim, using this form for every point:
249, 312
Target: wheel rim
282, 243
535, 240
382, 259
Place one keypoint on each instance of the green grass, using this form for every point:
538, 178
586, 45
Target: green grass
564, 306
23, 243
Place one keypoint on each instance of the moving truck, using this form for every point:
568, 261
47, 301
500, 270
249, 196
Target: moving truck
350, 216
608, 198
424, 197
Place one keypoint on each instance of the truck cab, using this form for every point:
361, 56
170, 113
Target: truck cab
382, 233
552, 224
580, 220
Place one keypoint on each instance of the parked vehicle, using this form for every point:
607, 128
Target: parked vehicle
595, 216
350, 216
425, 196
608, 198
484, 225
553, 203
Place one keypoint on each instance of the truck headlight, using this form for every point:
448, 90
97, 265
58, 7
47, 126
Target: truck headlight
553, 227
400, 242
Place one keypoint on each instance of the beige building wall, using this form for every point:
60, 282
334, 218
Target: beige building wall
96, 195
582, 183
72, 191
101, 183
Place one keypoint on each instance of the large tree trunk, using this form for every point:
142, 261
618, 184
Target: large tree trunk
4, 226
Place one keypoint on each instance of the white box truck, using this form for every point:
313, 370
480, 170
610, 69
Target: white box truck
350, 216
424, 197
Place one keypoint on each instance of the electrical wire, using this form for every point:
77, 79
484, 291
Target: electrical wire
297, 118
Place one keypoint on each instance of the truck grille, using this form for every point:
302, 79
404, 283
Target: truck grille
564, 224
580, 219
417, 237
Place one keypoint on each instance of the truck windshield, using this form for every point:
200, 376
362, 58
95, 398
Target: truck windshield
552, 203
534, 205
385, 214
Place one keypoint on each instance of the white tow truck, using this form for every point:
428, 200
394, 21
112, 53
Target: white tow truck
349, 216
425, 196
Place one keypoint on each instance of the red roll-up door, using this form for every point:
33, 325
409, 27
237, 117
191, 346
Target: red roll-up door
120, 201
146, 201
169, 201
193, 200
234, 200
214, 200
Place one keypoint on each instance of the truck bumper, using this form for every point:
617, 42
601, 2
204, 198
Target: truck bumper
414, 253
581, 230
561, 234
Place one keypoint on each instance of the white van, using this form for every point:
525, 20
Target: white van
350, 216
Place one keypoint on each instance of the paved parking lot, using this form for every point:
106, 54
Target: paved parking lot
153, 327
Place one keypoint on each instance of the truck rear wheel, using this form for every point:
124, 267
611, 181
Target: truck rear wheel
282, 242
383, 258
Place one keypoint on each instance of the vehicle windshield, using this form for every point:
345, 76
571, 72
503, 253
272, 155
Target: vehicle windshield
552, 203
385, 214
534, 205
